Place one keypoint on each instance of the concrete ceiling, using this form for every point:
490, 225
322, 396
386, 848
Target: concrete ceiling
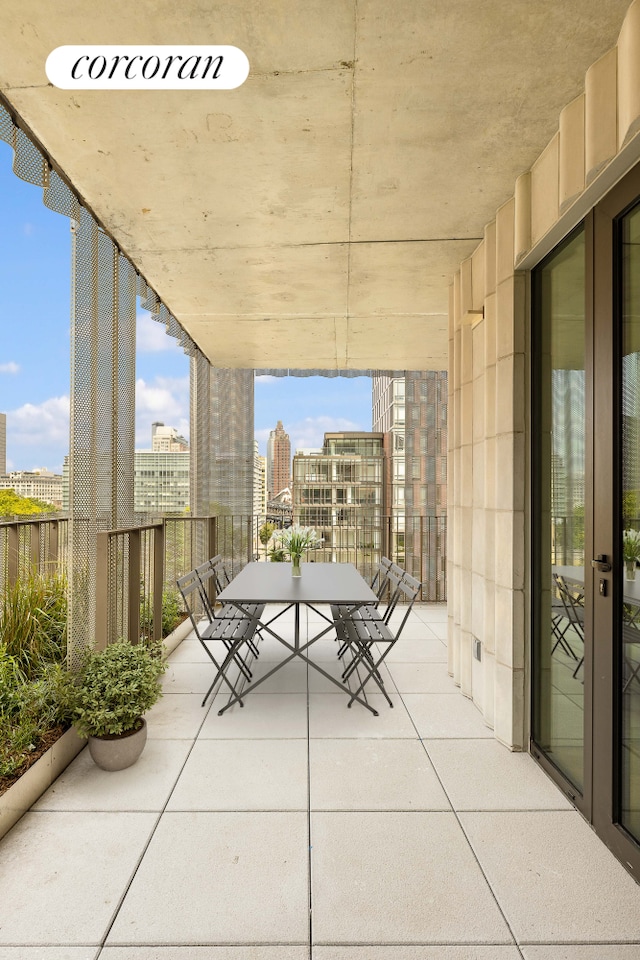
314, 216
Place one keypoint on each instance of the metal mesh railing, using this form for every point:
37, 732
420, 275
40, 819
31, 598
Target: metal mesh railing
32, 546
105, 285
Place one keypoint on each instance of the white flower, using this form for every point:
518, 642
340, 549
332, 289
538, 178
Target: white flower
296, 539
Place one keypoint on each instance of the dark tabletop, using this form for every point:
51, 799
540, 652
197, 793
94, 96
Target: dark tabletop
319, 583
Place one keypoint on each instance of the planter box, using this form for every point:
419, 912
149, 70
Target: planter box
175, 639
20, 797
23, 794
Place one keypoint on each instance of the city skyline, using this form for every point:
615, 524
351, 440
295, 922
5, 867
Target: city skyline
35, 275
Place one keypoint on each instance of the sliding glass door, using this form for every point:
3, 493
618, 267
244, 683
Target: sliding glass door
559, 458
586, 518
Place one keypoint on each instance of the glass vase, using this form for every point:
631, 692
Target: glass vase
630, 569
295, 567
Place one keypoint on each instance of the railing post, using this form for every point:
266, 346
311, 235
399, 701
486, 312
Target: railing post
158, 579
53, 543
133, 585
34, 546
101, 629
13, 552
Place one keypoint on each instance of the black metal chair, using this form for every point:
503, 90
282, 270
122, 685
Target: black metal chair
571, 593
365, 636
234, 633
560, 623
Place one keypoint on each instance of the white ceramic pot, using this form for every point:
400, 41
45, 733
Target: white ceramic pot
118, 753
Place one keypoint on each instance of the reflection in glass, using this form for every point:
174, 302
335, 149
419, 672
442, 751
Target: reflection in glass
629, 615
558, 719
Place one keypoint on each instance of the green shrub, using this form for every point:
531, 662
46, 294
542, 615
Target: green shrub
114, 688
28, 710
33, 622
172, 614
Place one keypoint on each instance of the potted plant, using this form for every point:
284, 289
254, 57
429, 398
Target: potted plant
294, 541
108, 696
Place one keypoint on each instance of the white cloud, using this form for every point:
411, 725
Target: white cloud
10, 367
166, 400
151, 336
40, 425
28, 229
266, 379
310, 431
38, 434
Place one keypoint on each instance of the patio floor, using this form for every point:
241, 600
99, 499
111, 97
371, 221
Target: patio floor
296, 828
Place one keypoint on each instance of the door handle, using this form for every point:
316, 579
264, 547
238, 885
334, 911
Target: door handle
601, 563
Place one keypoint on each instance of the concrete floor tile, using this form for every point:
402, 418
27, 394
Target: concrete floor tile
484, 775
190, 651
49, 953
398, 878
373, 775
324, 651
441, 630
290, 678
582, 951
554, 879
431, 612
422, 678
202, 953
270, 649
62, 874
417, 651
329, 716
414, 631
268, 716
188, 677
144, 786
176, 716
244, 775
444, 716
441, 952
222, 878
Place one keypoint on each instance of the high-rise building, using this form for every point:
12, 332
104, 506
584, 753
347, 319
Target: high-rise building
259, 482
165, 439
222, 448
278, 461
413, 411
3, 443
341, 492
161, 481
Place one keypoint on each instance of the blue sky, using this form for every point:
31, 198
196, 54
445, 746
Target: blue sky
35, 283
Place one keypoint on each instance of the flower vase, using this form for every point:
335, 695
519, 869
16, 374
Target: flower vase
295, 567
630, 569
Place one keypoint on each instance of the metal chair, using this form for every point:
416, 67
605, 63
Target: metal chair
206, 574
560, 623
366, 635
234, 633
571, 594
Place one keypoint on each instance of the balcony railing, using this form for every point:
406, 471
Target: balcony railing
136, 565
32, 545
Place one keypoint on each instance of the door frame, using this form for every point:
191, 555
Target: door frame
607, 517
581, 800
600, 801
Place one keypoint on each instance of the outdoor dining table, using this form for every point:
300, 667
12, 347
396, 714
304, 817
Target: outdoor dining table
319, 583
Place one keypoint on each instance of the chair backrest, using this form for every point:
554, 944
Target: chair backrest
409, 588
188, 585
395, 576
380, 583
205, 573
572, 595
221, 574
